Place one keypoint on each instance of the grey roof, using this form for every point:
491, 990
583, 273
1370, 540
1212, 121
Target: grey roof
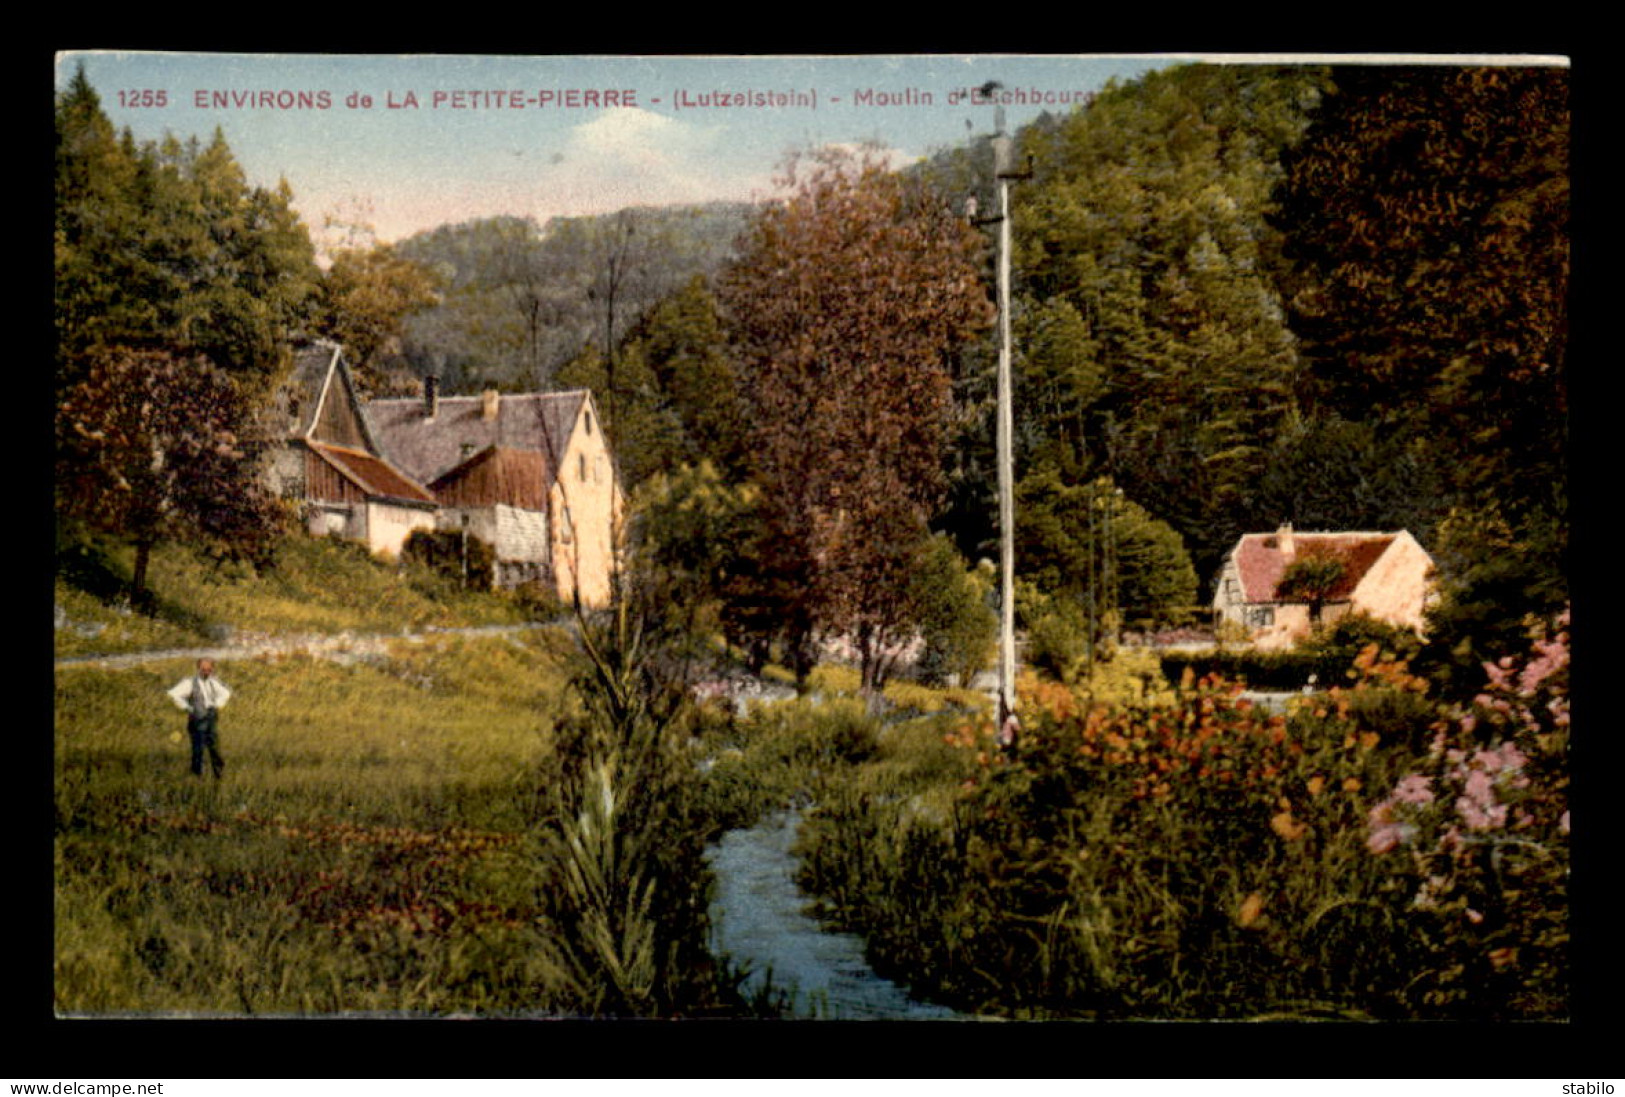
428, 448
292, 409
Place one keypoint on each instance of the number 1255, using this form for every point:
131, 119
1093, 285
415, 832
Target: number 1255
144, 97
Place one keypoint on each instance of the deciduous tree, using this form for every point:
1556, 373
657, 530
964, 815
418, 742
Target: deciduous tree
148, 450
1155, 348
1428, 214
844, 305
366, 296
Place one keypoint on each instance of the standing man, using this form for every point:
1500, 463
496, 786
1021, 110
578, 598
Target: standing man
201, 697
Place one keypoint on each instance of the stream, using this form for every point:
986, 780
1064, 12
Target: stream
759, 920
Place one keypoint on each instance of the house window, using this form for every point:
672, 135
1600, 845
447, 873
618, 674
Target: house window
582, 458
1261, 617
588, 416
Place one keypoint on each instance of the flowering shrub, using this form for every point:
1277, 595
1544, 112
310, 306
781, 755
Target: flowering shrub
1369, 852
1477, 838
1187, 855
1366, 853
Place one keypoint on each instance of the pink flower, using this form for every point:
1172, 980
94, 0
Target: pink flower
1564, 822
1481, 816
1511, 756
1383, 839
1414, 789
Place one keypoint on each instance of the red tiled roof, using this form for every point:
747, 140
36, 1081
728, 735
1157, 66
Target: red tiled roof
371, 474
1260, 562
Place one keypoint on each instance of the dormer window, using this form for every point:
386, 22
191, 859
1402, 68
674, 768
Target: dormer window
588, 417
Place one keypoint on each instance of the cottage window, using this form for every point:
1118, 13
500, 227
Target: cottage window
582, 458
588, 417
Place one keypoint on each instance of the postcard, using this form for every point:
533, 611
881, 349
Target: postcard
928, 538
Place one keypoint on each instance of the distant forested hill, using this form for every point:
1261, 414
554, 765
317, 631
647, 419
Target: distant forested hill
522, 299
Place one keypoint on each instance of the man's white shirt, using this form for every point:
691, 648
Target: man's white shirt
208, 693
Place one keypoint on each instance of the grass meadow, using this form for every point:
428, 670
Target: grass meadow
369, 849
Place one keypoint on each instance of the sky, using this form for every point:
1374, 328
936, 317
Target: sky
406, 143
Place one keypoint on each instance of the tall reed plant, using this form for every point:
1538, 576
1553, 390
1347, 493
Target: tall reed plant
625, 884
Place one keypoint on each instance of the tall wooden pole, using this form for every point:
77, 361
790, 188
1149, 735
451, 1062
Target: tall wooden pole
1006, 461
1004, 171
1006, 472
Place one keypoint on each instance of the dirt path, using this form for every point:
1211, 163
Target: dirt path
341, 646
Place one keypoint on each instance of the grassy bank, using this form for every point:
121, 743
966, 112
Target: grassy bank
316, 586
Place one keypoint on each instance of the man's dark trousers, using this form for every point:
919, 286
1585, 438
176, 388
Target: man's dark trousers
205, 738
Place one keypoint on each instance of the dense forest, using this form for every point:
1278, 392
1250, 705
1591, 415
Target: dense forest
1244, 295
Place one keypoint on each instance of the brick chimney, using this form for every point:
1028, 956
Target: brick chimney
1284, 541
490, 404
431, 396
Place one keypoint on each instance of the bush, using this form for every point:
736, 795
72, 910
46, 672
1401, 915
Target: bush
465, 559
958, 626
1476, 837
1056, 643
1280, 670
539, 600
1339, 644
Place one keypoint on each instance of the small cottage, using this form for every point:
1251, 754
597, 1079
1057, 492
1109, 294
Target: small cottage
1386, 576
319, 451
530, 473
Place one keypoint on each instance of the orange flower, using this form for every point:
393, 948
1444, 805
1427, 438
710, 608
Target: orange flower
1316, 783
1287, 827
1251, 908
1351, 784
